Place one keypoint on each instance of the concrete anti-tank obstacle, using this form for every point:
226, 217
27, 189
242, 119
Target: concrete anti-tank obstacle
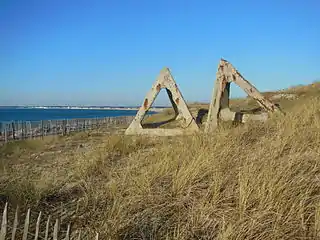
164, 81
219, 106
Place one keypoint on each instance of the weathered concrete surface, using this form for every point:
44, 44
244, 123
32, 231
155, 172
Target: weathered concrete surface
219, 106
166, 81
162, 132
227, 115
284, 95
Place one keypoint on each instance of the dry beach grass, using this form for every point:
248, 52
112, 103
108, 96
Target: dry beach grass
254, 181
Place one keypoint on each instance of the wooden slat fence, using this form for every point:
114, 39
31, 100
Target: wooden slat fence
19, 130
43, 229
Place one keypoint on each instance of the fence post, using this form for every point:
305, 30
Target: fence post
19, 130
23, 133
13, 131
42, 130
63, 127
17, 126
30, 130
24, 130
54, 127
5, 133
50, 127
77, 125
45, 128
68, 127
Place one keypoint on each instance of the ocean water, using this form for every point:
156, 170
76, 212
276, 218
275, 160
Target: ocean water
35, 114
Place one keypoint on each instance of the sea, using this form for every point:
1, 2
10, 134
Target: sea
8, 114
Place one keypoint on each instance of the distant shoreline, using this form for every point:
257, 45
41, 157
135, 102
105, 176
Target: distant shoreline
154, 109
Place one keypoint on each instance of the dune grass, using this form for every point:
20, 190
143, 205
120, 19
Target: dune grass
253, 181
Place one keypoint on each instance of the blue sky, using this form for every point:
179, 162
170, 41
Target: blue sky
110, 52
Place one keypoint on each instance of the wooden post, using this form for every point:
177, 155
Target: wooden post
23, 130
33, 130
13, 131
27, 131
68, 126
38, 130
56, 127
30, 130
55, 132
63, 127
5, 133
19, 129
49, 127
60, 127
42, 130
77, 125
45, 128
23, 133
1, 128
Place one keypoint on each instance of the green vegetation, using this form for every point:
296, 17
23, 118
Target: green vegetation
253, 181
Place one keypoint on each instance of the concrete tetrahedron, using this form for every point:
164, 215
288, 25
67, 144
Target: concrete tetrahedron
219, 106
164, 81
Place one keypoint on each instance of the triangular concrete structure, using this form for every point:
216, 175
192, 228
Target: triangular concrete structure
219, 106
164, 81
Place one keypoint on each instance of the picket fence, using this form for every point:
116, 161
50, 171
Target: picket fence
36, 233
21, 130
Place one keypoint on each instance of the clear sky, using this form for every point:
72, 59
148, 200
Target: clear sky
110, 52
